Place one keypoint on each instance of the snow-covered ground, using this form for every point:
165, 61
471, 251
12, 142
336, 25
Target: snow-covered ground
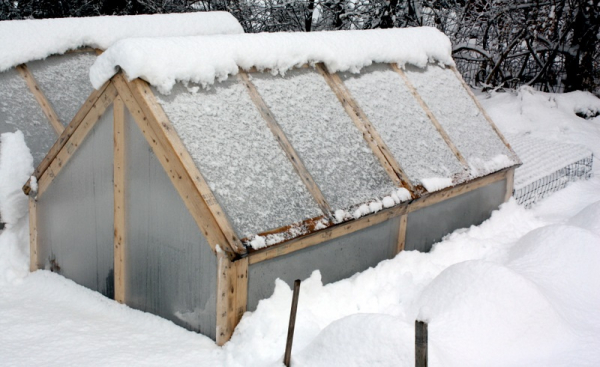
522, 289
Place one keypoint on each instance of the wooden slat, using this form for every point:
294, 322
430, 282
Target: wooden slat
402, 233
510, 184
119, 179
482, 110
241, 289
34, 261
169, 159
75, 139
66, 134
431, 116
372, 137
369, 220
284, 143
226, 287
41, 98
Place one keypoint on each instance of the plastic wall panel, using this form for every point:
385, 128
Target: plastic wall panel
170, 268
458, 114
239, 157
402, 123
337, 259
20, 111
65, 81
429, 225
331, 146
76, 216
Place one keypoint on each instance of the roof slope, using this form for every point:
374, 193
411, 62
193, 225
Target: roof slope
26, 40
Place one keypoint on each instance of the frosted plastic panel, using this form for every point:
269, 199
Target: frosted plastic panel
65, 81
239, 157
20, 111
336, 259
325, 137
171, 270
458, 115
75, 214
402, 123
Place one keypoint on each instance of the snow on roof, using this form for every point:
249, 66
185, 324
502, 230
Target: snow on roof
26, 40
164, 61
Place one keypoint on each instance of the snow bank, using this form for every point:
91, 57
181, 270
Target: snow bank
26, 40
203, 59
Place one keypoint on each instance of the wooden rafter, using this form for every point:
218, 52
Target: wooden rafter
285, 145
119, 180
431, 116
372, 137
41, 98
171, 161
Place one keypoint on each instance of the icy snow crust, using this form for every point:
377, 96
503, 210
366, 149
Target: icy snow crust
330, 145
459, 116
65, 82
237, 154
22, 41
162, 62
403, 125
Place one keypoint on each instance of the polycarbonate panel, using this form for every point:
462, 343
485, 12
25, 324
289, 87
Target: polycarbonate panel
75, 214
20, 111
170, 268
402, 124
458, 114
337, 259
331, 146
65, 81
239, 157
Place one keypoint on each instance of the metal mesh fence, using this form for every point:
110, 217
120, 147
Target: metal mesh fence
553, 182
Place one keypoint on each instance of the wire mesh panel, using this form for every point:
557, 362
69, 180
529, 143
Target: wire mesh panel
239, 157
76, 216
170, 268
20, 111
331, 146
65, 81
402, 123
458, 114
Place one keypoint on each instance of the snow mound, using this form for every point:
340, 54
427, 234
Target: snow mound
203, 59
488, 305
22, 41
588, 218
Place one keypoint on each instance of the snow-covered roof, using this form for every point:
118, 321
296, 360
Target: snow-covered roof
164, 61
26, 40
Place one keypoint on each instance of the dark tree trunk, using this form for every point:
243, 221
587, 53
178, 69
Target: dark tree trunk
579, 63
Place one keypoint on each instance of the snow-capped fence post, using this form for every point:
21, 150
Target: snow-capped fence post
290, 336
420, 343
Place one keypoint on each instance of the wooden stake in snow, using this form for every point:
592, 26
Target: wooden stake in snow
420, 344
290, 336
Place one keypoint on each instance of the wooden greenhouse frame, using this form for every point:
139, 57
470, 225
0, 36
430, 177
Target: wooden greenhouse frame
233, 256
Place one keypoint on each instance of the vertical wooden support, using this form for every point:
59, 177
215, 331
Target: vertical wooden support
510, 184
120, 234
402, 233
232, 293
420, 344
34, 262
41, 98
287, 356
432, 118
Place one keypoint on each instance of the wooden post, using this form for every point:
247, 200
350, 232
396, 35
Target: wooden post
420, 344
402, 233
34, 263
510, 184
290, 335
119, 179
232, 294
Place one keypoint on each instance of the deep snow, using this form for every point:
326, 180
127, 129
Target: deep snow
521, 289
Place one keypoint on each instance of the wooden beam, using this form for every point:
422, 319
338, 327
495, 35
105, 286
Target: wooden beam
285, 145
482, 110
41, 98
370, 134
75, 139
510, 184
119, 180
431, 116
173, 166
34, 260
232, 292
66, 135
402, 233
369, 220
